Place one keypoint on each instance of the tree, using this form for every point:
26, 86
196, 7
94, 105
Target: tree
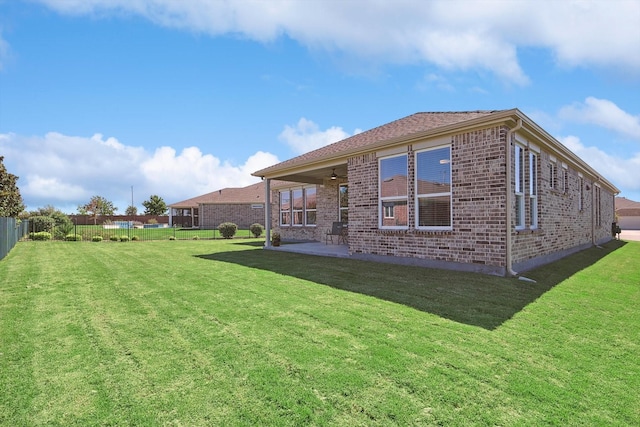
97, 206
155, 206
11, 204
61, 221
131, 211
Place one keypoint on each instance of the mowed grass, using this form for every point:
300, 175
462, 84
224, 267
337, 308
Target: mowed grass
190, 333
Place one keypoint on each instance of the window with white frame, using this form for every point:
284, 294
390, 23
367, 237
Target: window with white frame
298, 206
519, 186
598, 212
393, 184
285, 207
343, 196
565, 178
310, 205
581, 196
433, 188
533, 189
553, 174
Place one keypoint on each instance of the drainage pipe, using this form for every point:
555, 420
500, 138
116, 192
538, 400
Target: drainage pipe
508, 270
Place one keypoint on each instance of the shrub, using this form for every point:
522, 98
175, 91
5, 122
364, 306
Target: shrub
172, 237
124, 238
41, 223
73, 238
135, 238
96, 239
256, 229
152, 221
114, 238
63, 230
227, 229
196, 237
41, 235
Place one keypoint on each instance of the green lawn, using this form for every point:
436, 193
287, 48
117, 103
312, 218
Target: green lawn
220, 332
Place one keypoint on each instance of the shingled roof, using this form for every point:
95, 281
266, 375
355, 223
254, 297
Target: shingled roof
410, 125
253, 193
626, 207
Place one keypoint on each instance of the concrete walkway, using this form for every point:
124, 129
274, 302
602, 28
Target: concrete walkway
630, 235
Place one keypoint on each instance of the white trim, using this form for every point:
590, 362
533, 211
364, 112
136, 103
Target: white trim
392, 152
432, 143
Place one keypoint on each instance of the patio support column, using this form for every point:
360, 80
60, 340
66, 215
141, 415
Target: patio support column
170, 217
267, 212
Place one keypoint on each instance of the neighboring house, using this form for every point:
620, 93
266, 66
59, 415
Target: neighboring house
242, 206
628, 214
487, 191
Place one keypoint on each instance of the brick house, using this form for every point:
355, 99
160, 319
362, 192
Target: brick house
242, 206
628, 213
487, 191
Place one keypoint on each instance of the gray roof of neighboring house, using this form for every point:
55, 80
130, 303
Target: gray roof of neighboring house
626, 207
253, 193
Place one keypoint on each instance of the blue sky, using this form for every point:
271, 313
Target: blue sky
183, 98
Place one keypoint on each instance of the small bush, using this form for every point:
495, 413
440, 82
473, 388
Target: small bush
227, 229
41, 235
41, 223
196, 237
172, 237
152, 221
96, 239
73, 238
256, 229
124, 238
135, 238
114, 238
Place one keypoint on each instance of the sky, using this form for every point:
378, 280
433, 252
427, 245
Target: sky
125, 99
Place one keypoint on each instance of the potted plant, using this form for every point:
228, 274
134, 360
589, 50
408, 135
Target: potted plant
275, 239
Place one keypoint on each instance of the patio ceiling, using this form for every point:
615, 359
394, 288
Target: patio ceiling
312, 176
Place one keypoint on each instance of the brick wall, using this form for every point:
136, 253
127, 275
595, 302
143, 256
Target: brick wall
326, 213
477, 161
562, 225
478, 236
243, 215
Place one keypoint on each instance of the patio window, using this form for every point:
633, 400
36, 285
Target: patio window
310, 205
343, 196
433, 188
298, 207
285, 207
393, 184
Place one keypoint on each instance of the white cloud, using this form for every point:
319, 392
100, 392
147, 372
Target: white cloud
604, 113
623, 172
65, 171
307, 136
454, 35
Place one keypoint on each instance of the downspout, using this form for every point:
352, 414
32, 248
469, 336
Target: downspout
509, 203
267, 212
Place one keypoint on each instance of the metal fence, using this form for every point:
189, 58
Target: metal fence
10, 232
118, 231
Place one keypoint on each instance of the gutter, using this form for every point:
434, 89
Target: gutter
508, 270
